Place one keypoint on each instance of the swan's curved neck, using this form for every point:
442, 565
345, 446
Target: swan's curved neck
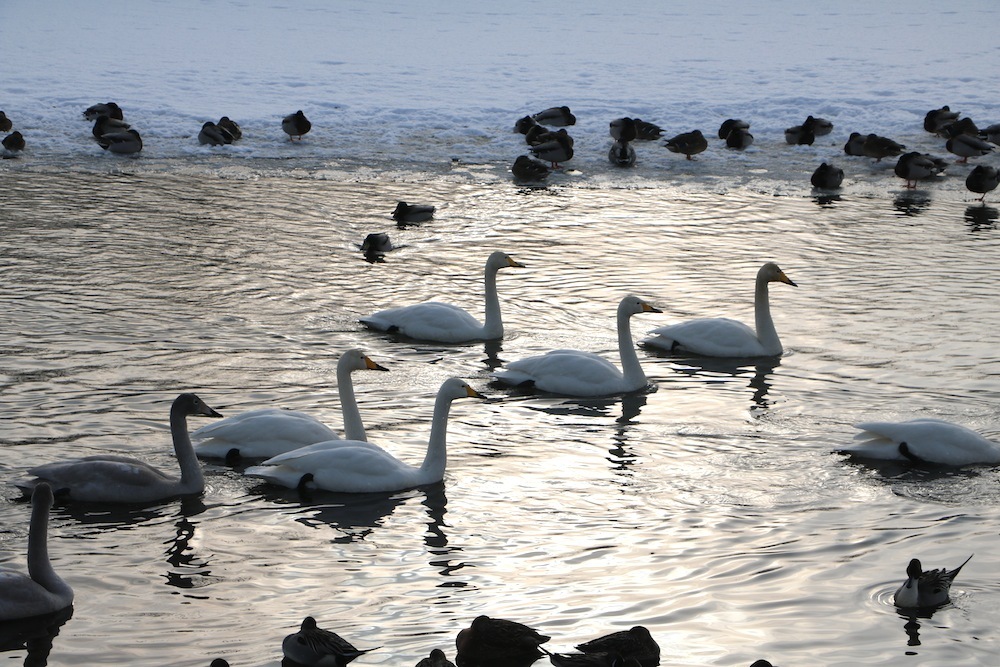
493, 324
354, 428
191, 480
766, 333
436, 457
626, 350
39, 567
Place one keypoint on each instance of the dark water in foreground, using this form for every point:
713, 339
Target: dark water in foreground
712, 510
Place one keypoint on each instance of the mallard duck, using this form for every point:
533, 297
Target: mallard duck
689, 143
42, 591
983, 179
214, 135
527, 170
555, 116
14, 142
497, 642
5, 123
621, 154
819, 126
578, 373
312, 645
295, 125
966, 146
231, 126
827, 177
879, 147
107, 478
623, 129
731, 124
635, 642
109, 109
412, 213
800, 135
724, 337
646, 131
107, 125
376, 242
437, 658
124, 143
739, 138
925, 588
916, 166
524, 124
991, 133
935, 119
855, 144
558, 149
960, 126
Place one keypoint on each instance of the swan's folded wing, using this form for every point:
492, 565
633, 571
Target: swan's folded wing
264, 434
429, 321
714, 337
301, 453
930, 440
563, 372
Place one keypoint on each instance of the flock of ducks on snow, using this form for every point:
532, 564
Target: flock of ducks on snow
302, 452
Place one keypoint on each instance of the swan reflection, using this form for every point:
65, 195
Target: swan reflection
757, 372
34, 634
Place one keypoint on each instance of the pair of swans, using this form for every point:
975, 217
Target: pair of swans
577, 373
272, 431
357, 466
42, 591
108, 478
444, 322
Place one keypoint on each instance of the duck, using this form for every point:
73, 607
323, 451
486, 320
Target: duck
6, 125
271, 431
731, 124
879, 147
528, 170
621, 154
855, 144
914, 166
41, 591
961, 126
555, 117
585, 374
219, 662
646, 131
800, 135
689, 143
818, 126
107, 478
739, 138
214, 135
827, 177
600, 659
109, 109
412, 213
437, 658
924, 441
377, 243
983, 180
14, 142
295, 125
107, 125
623, 129
636, 642
350, 466
444, 322
925, 588
231, 126
124, 143
556, 150
991, 133
312, 645
935, 119
966, 146
723, 337
524, 124
498, 642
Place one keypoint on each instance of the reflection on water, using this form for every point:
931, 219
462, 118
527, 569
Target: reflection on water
701, 508
34, 635
981, 217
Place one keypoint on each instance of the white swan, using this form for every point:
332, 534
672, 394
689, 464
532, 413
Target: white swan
360, 467
271, 431
42, 591
120, 479
723, 337
927, 441
576, 373
443, 322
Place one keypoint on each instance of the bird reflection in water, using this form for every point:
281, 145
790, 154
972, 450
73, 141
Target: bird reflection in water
826, 201
712, 369
188, 570
35, 634
981, 217
911, 203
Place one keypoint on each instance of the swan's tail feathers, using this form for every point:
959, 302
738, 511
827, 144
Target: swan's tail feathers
511, 378
279, 475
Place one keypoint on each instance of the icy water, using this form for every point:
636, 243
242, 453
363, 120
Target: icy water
712, 509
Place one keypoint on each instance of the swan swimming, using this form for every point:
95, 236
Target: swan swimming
271, 431
723, 337
443, 322
923, 441
576, 373
925, 588
42, 591
108, 478
359, 467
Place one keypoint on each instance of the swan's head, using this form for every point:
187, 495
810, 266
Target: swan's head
457, 388
632, 305
499, 260
190, 404
771, 273
357, 360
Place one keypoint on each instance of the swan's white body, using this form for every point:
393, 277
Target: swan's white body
576, 373
443, 322
42, 591
723, 337
931, 441
271, 431
120, 479
359, 467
